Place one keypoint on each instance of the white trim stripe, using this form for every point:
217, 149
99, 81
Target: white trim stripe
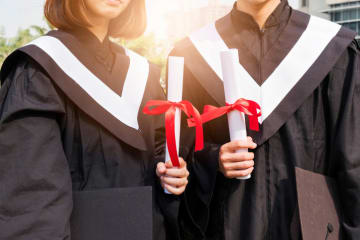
210, 44
306, 51
126, 107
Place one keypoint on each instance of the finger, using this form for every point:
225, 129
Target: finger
236, 145
174, 190
182, 162
240, 144
237, 157
238, 165
174, 182
177, 172
239, 173
160, 169
168, 164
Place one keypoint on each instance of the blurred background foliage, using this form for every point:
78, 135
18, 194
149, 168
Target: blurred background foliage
8, 45
148, 46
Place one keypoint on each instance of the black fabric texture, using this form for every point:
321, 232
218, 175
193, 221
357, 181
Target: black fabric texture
318, 132
50, 148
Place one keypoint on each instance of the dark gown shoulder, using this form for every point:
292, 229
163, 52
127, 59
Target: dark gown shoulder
63, 149
25, 82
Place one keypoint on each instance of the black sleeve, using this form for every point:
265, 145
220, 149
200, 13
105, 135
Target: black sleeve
344, 103
202, 165
35, 196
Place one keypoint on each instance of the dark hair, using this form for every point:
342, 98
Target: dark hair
70, 14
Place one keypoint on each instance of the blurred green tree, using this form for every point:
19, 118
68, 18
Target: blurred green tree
8, 45
151, 48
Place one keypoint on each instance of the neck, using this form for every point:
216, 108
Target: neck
99, 28
259, 10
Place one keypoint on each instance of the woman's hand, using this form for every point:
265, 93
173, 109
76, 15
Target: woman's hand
173, 179
233, 164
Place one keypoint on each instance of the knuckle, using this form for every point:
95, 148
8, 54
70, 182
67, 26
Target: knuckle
222, 149
249, 165
247, 156
240, 165
164, 181
177, 191
227, 167
158, 165
242, 156
225, 158
249, 171
238, 144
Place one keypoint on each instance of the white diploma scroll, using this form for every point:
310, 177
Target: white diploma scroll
174, 93
233, 91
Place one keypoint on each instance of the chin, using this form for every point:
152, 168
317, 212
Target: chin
256, 1
111, 14
108, 9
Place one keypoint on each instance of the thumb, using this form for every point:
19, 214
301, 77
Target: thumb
160, 169
168, 164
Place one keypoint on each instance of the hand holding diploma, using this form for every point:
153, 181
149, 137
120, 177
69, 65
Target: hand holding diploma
173, 172
173, 179
174, 92
235, 160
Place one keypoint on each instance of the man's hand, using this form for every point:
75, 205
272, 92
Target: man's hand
173, 179
233, 164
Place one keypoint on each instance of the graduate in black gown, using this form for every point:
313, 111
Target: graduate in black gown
304, 73
71, 120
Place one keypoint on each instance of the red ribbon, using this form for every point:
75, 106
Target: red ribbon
156, 107
247, 107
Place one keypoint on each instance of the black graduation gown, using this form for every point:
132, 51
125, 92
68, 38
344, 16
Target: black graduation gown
56, 138
315, 126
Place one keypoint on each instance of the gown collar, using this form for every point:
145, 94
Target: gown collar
283, 92
242, 20
103, 52
87, 84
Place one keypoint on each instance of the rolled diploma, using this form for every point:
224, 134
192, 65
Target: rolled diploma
174, 93
232, 87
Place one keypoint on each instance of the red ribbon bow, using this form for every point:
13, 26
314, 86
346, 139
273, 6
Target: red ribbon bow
156, 107
247, 107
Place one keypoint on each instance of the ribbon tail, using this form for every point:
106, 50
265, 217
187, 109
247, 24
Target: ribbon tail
170, 136
199, 142
254, 123
254, 119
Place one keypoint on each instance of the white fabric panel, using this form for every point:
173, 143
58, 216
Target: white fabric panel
209, 43
302, 56
306, 51
124, 108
